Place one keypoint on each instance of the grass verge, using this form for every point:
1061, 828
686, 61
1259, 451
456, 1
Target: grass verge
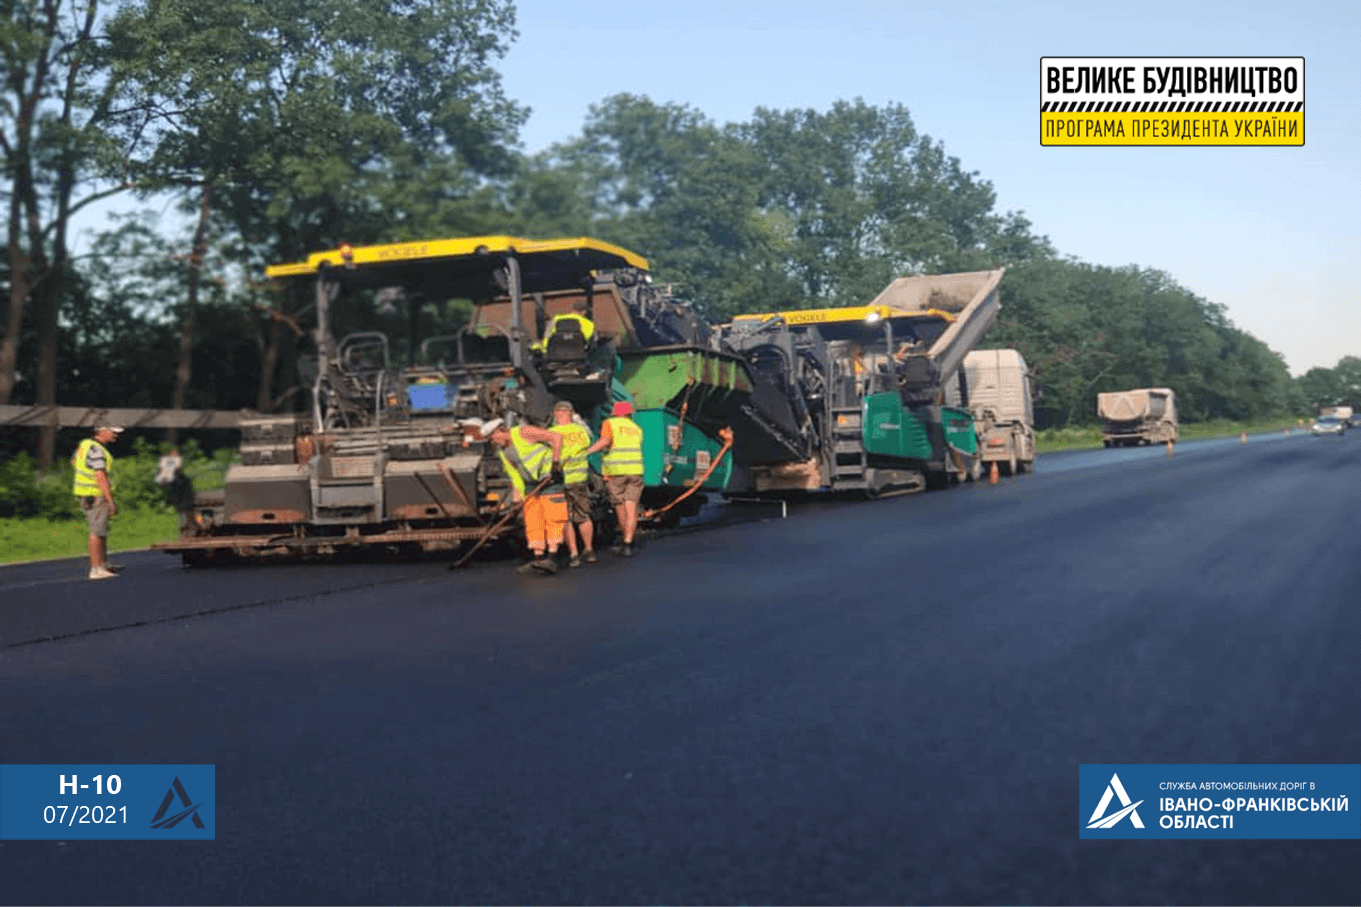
1052, 440
36, 538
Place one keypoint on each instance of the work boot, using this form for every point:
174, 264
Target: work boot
590, 557
574, 561
114, 568
528, 567
101, 573
627, 550
545, 565
617, 547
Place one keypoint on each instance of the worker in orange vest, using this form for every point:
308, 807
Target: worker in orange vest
530, 455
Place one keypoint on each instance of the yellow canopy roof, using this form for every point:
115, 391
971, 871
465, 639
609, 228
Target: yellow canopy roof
868, 313
579, 250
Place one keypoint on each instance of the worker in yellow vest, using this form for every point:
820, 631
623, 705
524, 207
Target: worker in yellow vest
530, 455
576, 472
578, 314
93, 488
622, 441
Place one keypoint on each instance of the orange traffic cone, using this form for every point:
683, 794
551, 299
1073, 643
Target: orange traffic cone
992, 474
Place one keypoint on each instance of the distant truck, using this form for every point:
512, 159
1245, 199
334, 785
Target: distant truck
1341, 413
1147, 415
998, 389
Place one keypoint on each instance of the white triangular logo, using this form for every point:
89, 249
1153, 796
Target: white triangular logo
1099, 818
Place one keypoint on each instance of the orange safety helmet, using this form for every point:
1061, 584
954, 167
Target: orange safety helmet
622, 408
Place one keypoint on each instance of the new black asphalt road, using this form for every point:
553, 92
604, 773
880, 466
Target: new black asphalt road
882, 702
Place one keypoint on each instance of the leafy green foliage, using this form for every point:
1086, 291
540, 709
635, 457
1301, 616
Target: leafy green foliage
1340, 384
319, 121
788, 210
27, 492
301, 124
1089, 328
305, 123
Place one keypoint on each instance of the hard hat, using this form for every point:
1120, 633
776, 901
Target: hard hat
116, 429
623, 408
563, 405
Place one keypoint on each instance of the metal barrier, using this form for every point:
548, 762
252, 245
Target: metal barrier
90, 417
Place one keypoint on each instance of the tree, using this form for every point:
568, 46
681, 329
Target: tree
55, 118
1348, 371
790, 209
1340, 384
1089, 328
665, 179
868, 198
299, 124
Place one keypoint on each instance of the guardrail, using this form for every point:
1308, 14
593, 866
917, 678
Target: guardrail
89, 417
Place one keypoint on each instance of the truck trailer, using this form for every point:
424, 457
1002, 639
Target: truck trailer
999, 390
1343, 414
1146, 415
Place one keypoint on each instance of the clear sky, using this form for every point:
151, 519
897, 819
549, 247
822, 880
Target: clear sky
1271, 233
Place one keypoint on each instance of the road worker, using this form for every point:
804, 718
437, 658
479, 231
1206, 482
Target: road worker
93, 488
576, 438
177, 487
622, 441
577, 314
530, 455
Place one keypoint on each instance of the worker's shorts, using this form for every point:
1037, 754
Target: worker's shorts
545, 515
578, 501
96, 514
623, 489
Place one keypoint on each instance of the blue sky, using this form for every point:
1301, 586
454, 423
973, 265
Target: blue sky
1271, 233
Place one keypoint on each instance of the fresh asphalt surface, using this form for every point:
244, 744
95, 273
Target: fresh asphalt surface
875, 702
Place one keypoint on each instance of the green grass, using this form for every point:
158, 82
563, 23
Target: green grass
1051, 440
36, 538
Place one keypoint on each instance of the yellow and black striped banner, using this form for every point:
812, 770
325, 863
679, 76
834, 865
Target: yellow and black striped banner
1172, 101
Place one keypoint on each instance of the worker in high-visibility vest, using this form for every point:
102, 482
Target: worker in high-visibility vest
578, 314
93, 488
622, 441
576, 472
530, 455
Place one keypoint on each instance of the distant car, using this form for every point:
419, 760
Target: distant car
1329, 425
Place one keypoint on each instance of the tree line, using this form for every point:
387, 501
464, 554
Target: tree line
279, 127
